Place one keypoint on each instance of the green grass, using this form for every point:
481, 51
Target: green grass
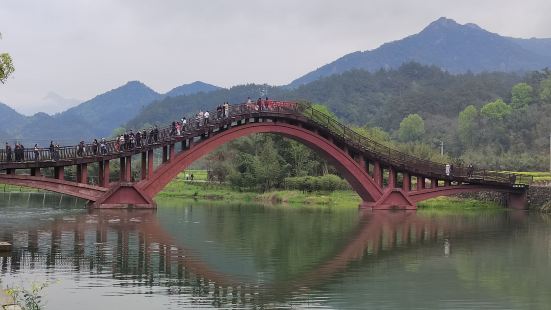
180, 188
198, 175
539, 176
7, 188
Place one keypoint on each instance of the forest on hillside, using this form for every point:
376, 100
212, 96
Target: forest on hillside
493, 120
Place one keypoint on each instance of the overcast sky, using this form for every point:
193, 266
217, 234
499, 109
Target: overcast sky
78, 49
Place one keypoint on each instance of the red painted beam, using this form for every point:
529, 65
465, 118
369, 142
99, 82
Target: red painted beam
165, 154
103, 173
378, 173
144, 166
150, 164
59, 173
406, 184
172, 152
128, 169
420, 183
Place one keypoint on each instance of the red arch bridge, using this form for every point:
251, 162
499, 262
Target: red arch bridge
382, 176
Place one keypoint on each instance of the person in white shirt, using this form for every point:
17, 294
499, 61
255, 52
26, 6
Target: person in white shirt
206, 115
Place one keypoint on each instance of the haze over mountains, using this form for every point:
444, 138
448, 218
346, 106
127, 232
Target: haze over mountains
94, 118
444, 43
453, 47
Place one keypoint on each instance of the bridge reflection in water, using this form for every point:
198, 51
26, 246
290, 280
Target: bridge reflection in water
189, 252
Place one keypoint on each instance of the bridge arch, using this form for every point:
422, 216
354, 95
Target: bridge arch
357, 177
80, 190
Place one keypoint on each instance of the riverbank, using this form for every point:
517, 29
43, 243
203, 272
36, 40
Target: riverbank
220, 192
201, 190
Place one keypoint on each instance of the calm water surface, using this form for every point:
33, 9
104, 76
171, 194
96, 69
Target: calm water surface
188, 255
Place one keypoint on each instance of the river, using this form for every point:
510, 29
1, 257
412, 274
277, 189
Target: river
193, 255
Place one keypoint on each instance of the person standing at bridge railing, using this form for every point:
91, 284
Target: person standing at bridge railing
81, 149
8, 152
206, 115
155, 134
144, 136
36, 152
95, 145
103, 147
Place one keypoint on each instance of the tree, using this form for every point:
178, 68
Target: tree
496, 110
412, 128
6, 66
545, 91
522, 95
117, 132
467, 125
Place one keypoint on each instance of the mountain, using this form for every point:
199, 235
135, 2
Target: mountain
54, 103
107, 111
9, 118
95, 118
538, 46
381, 98
193, 88
453, 47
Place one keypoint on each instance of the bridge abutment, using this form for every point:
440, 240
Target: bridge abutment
392, 199
518, 201
124, 195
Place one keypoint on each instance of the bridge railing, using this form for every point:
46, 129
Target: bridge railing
404, 160
337, 129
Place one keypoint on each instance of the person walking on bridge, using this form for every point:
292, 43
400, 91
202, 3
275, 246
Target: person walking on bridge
95, 147
8, 152
80, 149
36, 152
52, 150
206, 116
103, 147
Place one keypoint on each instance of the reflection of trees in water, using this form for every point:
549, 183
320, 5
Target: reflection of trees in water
306, 247
517, 267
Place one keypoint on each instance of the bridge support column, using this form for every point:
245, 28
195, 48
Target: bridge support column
420, 183
363, 164
144, 166
150, 164
10, 171
378, 173
165, 154
59, 173
82, 173
172, 152
35, 172
103, 175
128, 169
447, 183
406, 183
392, 177
122, 169
433, 183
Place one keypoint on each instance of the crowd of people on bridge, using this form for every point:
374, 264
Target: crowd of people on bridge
131, 140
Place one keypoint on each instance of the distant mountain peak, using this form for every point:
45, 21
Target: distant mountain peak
444, 21
192, 88
448, 45
444, 24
